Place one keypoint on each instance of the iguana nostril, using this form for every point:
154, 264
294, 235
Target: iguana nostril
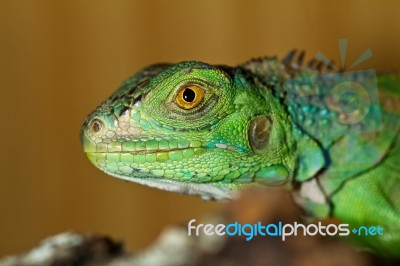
96, 126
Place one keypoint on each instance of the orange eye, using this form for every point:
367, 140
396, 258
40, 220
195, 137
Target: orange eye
189, 96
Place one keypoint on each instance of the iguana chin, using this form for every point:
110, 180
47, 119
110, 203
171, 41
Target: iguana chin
212, 130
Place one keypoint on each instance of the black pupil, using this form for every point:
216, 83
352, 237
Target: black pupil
189, 95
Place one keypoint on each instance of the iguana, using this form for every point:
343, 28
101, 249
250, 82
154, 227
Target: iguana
212, 130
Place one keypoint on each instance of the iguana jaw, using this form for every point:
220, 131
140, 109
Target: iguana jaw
207, 191
164, 158
135, 165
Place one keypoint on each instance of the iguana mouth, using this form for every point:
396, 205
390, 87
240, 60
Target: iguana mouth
138, 155
142, 151
152, 146
145, 156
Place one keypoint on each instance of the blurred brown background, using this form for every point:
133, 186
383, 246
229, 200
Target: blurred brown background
60, 59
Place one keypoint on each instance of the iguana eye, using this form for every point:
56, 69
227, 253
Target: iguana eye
189, 96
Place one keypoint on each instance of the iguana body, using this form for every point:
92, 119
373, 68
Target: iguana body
213, 130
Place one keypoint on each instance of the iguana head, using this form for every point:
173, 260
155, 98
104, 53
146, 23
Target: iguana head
191, 128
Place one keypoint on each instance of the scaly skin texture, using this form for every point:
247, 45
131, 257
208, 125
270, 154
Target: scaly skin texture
211, 130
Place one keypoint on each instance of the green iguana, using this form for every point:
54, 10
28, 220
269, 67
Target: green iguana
212, 130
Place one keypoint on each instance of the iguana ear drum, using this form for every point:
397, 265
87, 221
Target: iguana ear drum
258, 133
